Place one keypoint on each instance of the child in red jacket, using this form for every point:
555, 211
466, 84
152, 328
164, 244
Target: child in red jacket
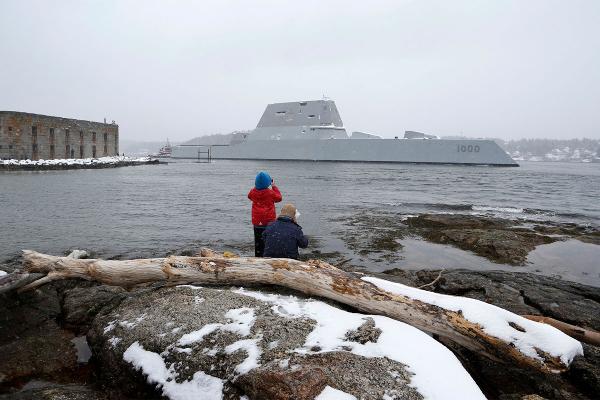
263, 208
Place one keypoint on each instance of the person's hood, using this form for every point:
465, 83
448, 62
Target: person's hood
262, 180
285, 218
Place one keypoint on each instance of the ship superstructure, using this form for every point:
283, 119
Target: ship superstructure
313, 130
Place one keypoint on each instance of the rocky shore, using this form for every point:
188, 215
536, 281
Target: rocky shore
47, 336
39, 332
76, 163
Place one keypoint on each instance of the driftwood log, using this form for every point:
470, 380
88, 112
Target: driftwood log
313, 278
583, 335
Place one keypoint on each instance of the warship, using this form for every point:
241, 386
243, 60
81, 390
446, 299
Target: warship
313, 131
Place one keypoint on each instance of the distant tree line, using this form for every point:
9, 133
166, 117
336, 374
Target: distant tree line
544, 146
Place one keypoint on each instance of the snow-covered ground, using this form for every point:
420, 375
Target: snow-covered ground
77, 161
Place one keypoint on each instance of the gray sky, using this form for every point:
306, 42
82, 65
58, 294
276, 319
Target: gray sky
180, 69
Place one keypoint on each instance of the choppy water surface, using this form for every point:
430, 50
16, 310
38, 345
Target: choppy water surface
156, 209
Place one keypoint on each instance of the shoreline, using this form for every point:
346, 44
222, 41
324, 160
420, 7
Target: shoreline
69, 164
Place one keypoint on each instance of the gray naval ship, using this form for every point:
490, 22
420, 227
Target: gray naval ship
313, 130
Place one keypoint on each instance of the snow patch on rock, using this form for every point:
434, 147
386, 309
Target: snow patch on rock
242, 321
201, 386
250, 346
436, 369
330, 393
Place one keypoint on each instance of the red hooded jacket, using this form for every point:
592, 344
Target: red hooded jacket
263, 205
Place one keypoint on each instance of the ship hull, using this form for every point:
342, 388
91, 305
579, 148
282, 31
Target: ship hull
435, 151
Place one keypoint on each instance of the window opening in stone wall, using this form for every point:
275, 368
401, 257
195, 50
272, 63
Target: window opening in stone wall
51, 151
10, 146
105, 137
80, 151
81, 136
67, 151
34, 151
280, 112
10, 128
72, 153
94, 137
34, 133
311, 116
93, 151
67, 135
51, 135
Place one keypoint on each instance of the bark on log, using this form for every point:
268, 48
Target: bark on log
583, 335
313, 278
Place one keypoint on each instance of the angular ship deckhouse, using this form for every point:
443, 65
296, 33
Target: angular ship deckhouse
314, 131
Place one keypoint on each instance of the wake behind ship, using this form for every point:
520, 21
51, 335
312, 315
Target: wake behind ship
313, 131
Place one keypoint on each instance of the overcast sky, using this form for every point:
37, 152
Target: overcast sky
180, 69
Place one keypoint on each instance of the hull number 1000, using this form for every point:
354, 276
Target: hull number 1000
467, 148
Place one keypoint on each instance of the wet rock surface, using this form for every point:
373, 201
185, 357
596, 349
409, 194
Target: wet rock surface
492, 238
374, 234
522, 293
81, 304
32, 343
378, 234
36, 341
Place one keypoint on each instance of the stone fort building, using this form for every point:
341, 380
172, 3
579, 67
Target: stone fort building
35, 137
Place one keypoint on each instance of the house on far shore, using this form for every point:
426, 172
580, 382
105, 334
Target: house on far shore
36, 137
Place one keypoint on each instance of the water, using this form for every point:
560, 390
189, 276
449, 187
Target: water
152, 210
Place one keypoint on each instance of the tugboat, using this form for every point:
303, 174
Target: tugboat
165, 151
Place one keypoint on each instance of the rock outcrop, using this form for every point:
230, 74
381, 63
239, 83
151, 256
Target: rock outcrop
32, 343
37, 329
495, 239
263, 346
502, 241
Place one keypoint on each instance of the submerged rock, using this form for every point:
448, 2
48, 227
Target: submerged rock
492, 238
377, 235
266, 346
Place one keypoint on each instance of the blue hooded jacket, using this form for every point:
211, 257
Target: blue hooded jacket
262, 181
282, 239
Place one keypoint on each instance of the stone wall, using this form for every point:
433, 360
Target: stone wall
35, 137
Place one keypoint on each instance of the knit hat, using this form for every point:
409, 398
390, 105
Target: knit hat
288, 210
262, 181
